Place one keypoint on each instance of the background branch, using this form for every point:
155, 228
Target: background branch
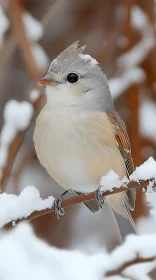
120, 270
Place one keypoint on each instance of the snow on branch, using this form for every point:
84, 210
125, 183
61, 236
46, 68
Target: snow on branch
147, 112
17, 116
28, 205
130, 61
38, 260
15, 207
135, 251
130, 77
139, 52
17, 119
33, 27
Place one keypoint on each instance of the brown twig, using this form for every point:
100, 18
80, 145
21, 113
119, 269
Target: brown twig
51, 12
16, 13
120, 269
86, 197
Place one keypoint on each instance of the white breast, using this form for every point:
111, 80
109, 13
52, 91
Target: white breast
76, 148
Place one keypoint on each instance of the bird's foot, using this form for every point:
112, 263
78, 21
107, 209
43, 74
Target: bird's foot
58, 209
99, 197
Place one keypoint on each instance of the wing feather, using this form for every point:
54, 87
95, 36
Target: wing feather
123, 143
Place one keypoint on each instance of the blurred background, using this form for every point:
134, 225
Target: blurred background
121, 36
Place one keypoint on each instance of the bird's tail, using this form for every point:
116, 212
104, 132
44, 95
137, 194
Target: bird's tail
125, 224
93, 205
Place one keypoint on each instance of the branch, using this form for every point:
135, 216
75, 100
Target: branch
16, 11
120, 269
86, 197
14, 147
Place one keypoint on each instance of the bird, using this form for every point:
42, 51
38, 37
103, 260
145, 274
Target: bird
79, 136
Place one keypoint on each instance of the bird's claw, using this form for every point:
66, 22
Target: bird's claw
99, 197
58, 209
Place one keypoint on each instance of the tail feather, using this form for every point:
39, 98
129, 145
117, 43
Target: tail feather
125, 224
93, 205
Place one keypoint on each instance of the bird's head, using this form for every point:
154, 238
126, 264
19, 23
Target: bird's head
74, 78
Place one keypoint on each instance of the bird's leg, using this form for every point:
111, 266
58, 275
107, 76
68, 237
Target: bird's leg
58, 209
99, 197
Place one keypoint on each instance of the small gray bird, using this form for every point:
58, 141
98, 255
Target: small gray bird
79, 135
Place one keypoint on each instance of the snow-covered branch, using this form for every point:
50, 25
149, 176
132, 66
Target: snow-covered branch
17, 119
130, 77
128, 264
28, 205
131, 60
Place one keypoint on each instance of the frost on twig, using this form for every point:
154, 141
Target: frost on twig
132, 260
28, 205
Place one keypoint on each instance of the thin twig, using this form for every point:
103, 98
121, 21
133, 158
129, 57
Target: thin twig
51, 12
138, 260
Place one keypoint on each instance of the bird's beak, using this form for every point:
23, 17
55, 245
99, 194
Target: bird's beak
47, 81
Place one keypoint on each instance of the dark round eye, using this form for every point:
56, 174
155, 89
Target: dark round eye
72, 78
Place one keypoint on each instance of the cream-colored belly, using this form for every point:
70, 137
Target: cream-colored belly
77, 152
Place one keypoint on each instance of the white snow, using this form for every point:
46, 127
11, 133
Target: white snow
24, 256
40, 261
34, 95
40, 56
145, 171
33, 27
134, 245
4, 24
15, 207
147, 119
93, 61
112, 180
130, 77
139, 52
17, 116
35, 31
139, 19
147, 225
128, 62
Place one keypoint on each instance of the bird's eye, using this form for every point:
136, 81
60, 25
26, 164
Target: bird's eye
72, 78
